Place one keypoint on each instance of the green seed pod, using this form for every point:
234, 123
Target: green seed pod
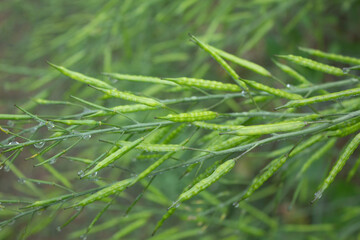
322, 98
191, 116
138, 78
331, 56
221, 61
349, 149
273, 91
206, 182
314, 65
207, 84
149, 147
114, 156
79, 122
122, 109
197, 188
291, 72
274, 165
105, 192
218, 127
270, 128
81, 77
131, 97
242, 62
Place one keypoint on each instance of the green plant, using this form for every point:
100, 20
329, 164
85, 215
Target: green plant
112, 148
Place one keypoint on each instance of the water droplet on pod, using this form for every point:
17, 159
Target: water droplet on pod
58, 228
6, 168
50, 125
52, 161
39, 144
10, 123
13, 143
86, 137
21, 180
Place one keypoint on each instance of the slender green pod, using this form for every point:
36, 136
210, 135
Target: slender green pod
346, 130
242, 62
230, 143
207, 84
5, 116
190, 116
217, 127
138, 78
353, 170
269, 128
273, 91
321, 98
345, 155
105, 192
81, 77
197, 188
317, 66
78, 122
114, 156
221, 61
291, 72
122, 109
131, 97
274, 165
173, 134
152, 147
318, 154
331, 56
206, 182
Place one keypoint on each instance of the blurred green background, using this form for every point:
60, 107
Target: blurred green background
151, 38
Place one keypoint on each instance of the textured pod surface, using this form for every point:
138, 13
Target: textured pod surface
81, 77
270, 128
291, 72
323, 98
207, 84
114, 156
138, 78
331, 56
274, 165
273, 91
345, 155
79, 122
207, 182
242, 62
221, 61
148, 147
314, 65
132, 97
213, 126
123, 109
191, 116
105, 192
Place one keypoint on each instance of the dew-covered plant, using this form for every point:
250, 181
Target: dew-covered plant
255, 151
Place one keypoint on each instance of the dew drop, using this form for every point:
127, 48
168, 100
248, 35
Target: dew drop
6, 168
50, 125
13, 143
1, 166
58, 228
288, 85
21, 180
5, 130
83, 237
81, 173
236, 204
86, 137
52, 161
317, 196
346, 70
39, 144
10, 123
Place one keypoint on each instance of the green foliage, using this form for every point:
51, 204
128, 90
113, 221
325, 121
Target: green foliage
137, 137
